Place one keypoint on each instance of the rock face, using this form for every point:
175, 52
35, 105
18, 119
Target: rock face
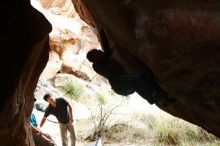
59, 7
178, 40
26, 45
70, 40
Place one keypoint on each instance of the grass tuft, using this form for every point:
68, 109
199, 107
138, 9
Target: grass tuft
72, 89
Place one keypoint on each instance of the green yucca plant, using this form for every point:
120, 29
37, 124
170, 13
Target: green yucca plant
101, 98
72, 89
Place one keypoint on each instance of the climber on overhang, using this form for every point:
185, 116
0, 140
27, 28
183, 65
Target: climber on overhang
143, 81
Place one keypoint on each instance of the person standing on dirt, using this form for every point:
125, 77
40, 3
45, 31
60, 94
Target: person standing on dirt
62, 110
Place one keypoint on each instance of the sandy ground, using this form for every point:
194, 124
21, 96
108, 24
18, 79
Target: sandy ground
52, 127
136, 104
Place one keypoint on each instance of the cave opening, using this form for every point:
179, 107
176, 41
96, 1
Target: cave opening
57, 64
69, 46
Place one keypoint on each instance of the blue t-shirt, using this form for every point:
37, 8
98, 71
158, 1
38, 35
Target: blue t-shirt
60, 111
33, 120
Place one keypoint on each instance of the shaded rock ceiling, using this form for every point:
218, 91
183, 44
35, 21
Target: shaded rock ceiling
178, 40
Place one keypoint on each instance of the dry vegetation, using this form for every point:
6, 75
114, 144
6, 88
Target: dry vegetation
152, 131
137, 129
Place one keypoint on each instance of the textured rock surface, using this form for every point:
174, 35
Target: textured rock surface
178, 40
59, 7
25, 40
70, 39
53, 66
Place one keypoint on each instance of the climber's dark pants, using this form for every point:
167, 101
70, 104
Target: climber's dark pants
129, 83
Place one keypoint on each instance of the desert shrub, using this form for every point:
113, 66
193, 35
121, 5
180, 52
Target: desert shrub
126, 133
170, 130
100, 98
101, 111
215, 143
174, 131
72, 89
